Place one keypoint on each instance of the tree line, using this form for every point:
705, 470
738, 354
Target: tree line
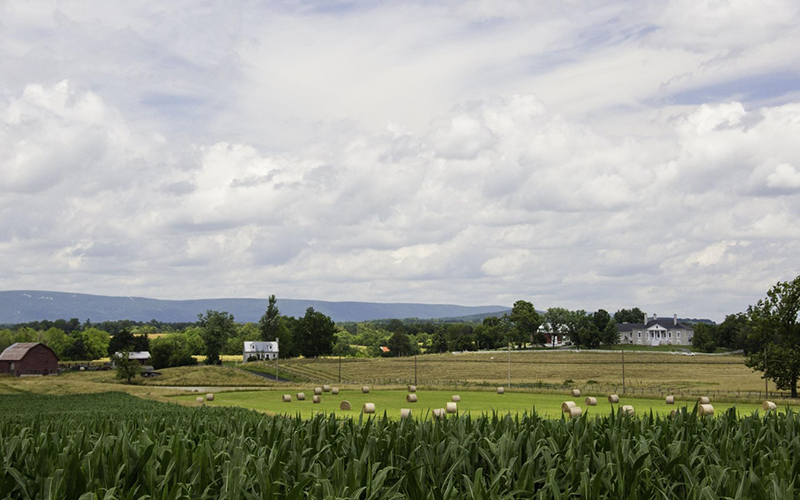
216, 333
521, 327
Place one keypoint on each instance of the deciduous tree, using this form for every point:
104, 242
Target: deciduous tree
526, 323
216, 327
705, 337
126, 368
492, 332
774, 343
634, 315
314, 334
399, 344
439, 340
732, 332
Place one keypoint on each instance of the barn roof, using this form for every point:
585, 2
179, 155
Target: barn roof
16, 352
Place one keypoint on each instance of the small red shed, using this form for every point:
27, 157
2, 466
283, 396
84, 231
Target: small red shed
28, 358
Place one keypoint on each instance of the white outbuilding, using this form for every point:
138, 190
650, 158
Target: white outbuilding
259, 351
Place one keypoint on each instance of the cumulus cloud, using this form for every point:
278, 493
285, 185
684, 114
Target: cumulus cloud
436, 152
785, 176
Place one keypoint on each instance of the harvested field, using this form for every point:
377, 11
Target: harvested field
645, 371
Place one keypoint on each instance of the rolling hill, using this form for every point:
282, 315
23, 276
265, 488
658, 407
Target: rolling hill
20, 306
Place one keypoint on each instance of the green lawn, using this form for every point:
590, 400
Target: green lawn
391, 401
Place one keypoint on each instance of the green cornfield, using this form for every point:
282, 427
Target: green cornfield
115, 446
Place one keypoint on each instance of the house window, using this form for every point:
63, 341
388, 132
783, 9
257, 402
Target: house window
679, 334
670, 334
640, 334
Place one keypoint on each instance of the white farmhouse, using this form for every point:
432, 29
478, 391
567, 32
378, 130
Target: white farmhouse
656, 331
260, 350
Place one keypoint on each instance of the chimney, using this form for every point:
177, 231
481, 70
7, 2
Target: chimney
674, 319
645, 318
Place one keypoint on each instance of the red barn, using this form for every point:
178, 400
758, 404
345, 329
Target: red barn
28, 358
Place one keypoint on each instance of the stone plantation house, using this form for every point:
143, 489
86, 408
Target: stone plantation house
656, 331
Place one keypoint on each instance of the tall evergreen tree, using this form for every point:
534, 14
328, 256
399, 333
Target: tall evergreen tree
270, 321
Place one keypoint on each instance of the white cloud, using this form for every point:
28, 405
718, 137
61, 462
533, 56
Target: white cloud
785, 176
438, 152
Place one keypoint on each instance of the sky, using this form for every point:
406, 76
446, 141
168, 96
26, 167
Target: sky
579, 154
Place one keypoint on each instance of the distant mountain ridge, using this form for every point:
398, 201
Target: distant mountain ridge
21, 306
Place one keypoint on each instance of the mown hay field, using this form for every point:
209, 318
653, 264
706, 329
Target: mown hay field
114, 446
391, 402
643, 370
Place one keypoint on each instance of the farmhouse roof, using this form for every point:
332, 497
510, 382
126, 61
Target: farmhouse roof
139, 355
16, 352
254, 346
629, 327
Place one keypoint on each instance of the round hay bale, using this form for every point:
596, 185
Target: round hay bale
287, 398
368, 408
590, 401
344, 405
451, 407
768, 405
613, 398
316, 399
405, 412
439, 413
575, 411
326, 388
566, 406
365, 389
411, 398
456, 398
705, 410
210, 396
200, 399
627, 410
301, 396
703, 400
501, 390
670, 400
412, 388
334, 390
576, 393
317, 390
